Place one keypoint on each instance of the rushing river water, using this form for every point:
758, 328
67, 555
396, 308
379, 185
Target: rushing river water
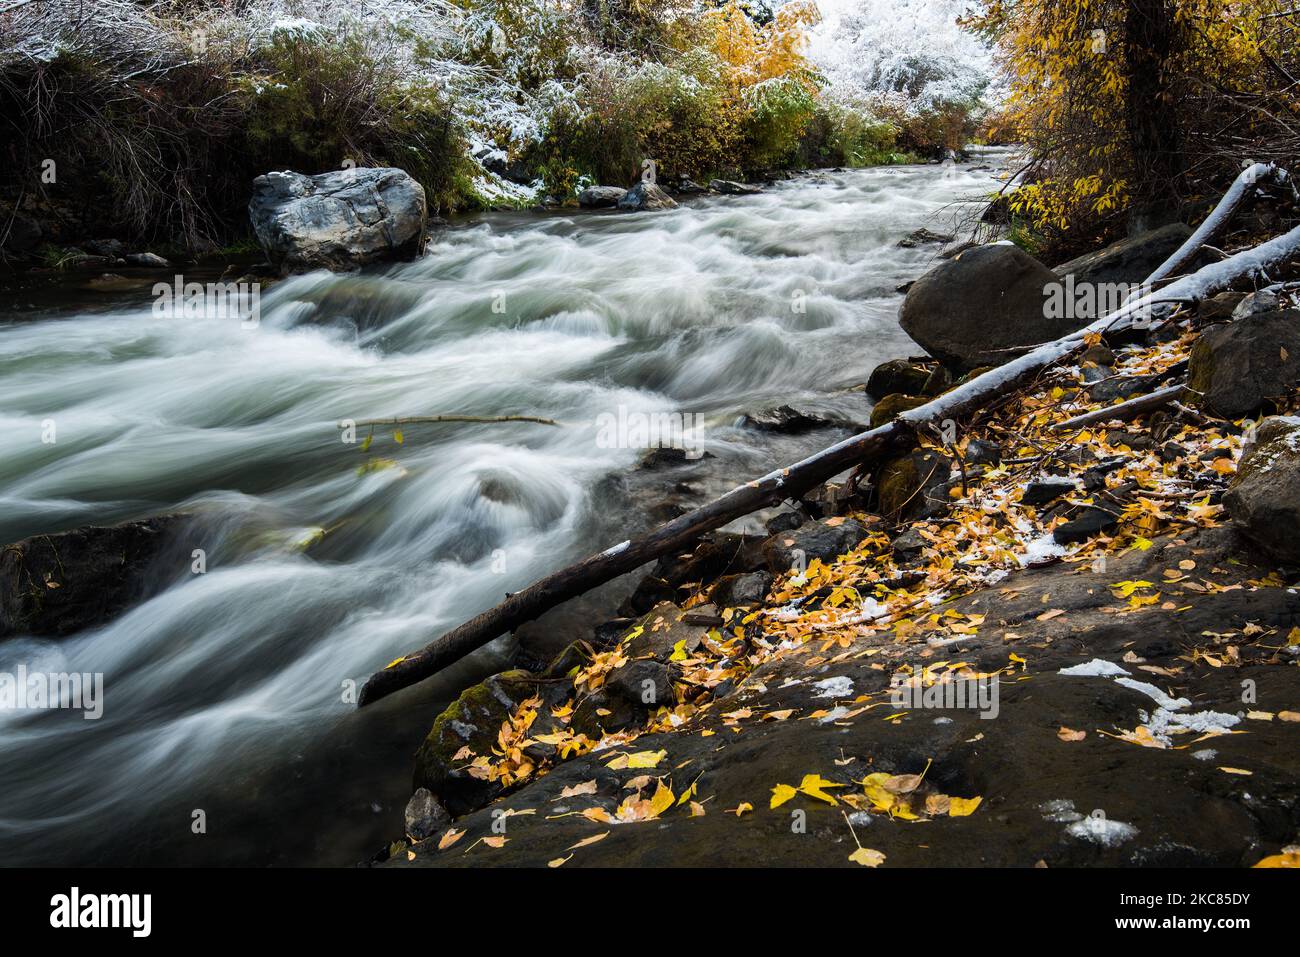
225, 691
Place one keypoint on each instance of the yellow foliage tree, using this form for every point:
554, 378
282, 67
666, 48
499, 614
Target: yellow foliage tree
754, 53
1127, 105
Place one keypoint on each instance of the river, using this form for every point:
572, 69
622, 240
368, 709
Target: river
227, 735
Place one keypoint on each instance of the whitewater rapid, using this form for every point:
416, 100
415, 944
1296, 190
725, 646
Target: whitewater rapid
227, 687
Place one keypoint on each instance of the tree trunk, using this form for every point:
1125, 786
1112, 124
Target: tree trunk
1155, 141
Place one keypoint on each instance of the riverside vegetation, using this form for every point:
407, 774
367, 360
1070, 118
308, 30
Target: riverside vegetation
148, 121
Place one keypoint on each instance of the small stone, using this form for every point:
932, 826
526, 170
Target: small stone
1042, 491
425, 817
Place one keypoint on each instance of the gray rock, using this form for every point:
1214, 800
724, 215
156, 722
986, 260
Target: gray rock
110, 248
1262, 300
601, 197
644, 683
338, 220
732, 188
897, 375
982, 452
909, 545
1264, 498
919, 236
914, 485
976, 309
1044, 490
1130, 260
148, 260
425, 817
826, 540
54, 585
783, 522
1087, 522
1236, 368
787, 420
646, 196
747, 589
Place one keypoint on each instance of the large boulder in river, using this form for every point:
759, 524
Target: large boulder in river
979, 307
1265, 495
53, 585
338, 220
601, 197
1236, 368
646, 196
1128, 261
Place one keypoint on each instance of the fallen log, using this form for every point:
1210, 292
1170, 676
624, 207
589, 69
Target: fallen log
1242, 189
796, 479
1124, 411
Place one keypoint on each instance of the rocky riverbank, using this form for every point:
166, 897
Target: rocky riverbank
1030, 641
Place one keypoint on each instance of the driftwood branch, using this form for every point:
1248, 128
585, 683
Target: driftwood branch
1124, 411
424, 419
1242, 189
796, 479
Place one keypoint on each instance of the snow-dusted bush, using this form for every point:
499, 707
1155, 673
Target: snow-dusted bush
907, 55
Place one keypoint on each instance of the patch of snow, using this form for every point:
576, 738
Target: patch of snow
1045, 546
1163, 721
1059, 811
833, 715
1156, 695
841, 686
1102, 830
1097, 668
1205, 754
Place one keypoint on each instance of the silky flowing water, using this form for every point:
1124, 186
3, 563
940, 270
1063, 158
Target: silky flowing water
226, 692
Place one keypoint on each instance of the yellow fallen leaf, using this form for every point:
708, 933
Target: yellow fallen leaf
697, 809
780, 794
588, 840
662, 800
573, 790
497, 841
963, 807
740, 808
641, 759
450, 837
559, 861
1290, 857
1236, 771
813, 785
1069, 734
867, 857
1288, 715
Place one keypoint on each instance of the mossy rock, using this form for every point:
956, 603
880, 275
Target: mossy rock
897, 375
1238, 368
575, 655
888, 408
473, 720
914, 485
938, 382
